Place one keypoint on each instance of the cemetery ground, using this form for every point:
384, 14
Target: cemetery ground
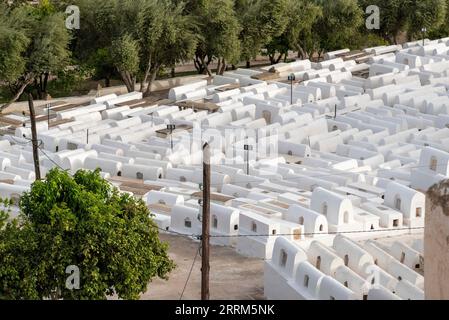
232, 276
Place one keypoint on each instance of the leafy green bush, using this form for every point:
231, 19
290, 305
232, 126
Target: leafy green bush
80, 221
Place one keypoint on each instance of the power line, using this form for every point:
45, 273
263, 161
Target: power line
51, 160
190, 272
198, 237
295, 234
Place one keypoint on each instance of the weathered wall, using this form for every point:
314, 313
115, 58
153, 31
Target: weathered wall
436, 244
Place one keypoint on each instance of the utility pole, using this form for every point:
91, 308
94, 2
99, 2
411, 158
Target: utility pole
205, 267
37, 169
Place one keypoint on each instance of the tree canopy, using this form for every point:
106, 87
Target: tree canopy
79, 221
34, 45
136, 40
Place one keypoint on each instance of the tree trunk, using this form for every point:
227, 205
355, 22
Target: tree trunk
44, 85
37, 86
154, 74
147, 73
218, 66
128, 80
248, 64
34, 138
173, 72
223, 67
279, 58
17, 95
302, 53
205, 65
107, 82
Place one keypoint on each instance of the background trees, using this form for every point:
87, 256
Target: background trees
155, 35
80, 221
408, 16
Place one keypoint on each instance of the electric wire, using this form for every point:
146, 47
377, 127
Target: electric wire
190, 272
293, 234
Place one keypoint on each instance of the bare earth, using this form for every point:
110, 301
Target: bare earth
232, 277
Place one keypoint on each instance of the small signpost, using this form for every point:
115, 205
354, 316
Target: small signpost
291, 78
171, 127
247, 148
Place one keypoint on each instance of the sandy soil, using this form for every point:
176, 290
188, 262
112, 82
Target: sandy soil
232, 276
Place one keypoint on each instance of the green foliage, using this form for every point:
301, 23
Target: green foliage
340, 22
4, 211
300, 17
219, 33
81, 221
408, 16
261, 21
158, 34
13, 44
35, 40
167, 37
125, 54
430, 14
155, 34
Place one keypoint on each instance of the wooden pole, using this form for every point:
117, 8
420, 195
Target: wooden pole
205, 267
37, 169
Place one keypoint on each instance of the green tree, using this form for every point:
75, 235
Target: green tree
339, 23
219, 31
39, 47
13, 44
80, 221
125, 54
429, 14
91, 44
408, 16
443, 30
300, 17
261, 21
167, 37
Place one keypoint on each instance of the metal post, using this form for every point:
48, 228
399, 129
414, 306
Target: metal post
247, 148
87, 136
48, 115
423, 30
291, 77
291, 91
171, 127
205, 267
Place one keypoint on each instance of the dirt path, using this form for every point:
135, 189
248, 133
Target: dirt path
232, 276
